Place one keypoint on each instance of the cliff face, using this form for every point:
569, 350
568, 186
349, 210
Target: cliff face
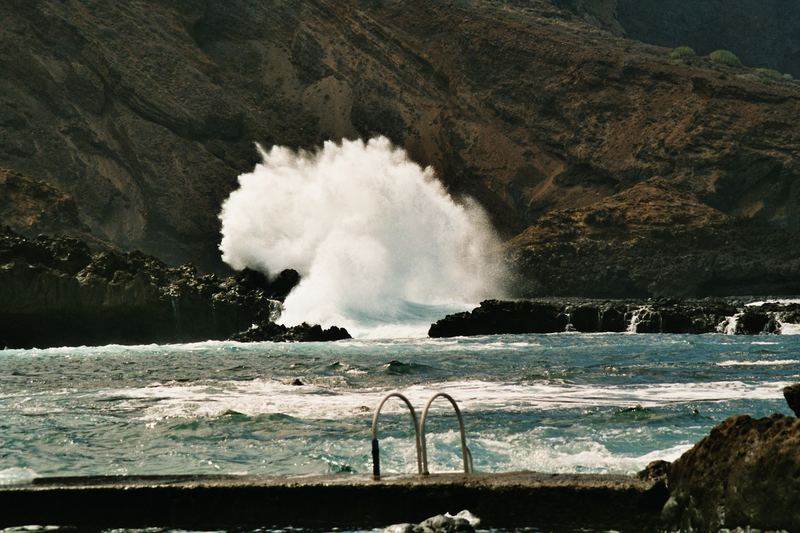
763, 33
588, 151
31, 206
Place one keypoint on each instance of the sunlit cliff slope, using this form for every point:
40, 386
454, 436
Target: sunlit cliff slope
610, 169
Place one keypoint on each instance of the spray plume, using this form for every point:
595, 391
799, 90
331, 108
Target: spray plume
377, 240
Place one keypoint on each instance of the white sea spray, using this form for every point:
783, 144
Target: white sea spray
375, 237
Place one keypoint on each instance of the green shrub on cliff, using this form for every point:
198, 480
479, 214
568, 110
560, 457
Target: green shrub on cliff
769, 73
725, 57
682, 52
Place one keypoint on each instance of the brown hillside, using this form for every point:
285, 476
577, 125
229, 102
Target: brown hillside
591, 151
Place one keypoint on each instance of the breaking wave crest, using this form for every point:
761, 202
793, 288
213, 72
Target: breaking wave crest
375, 237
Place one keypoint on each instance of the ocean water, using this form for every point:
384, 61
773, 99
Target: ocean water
605, 403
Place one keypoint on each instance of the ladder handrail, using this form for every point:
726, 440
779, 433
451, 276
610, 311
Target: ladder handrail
376, 453
465, 452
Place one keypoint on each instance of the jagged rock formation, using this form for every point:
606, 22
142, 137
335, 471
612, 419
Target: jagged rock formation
792, 395
745, 473
617, 171
57, 292
658, 316
276, 289
270, 331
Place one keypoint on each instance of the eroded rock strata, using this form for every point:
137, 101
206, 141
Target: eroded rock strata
59, 292
592, 316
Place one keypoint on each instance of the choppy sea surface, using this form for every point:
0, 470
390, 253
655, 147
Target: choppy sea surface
602, 403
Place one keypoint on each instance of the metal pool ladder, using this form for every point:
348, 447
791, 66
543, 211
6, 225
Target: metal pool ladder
376, 452
419, 435
465, 453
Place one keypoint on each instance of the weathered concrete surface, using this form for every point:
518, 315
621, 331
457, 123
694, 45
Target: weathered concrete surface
204, 502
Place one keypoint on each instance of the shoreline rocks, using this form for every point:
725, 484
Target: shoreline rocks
595, 316
792, 395
270, 331
58, 292
746, 472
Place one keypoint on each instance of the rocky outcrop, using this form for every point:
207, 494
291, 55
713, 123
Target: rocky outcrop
792, 395
32, 207
756, 321
276, 289
497, 317
619, 251
587, 316
270, 331
58, 292
613, 170
463, 522
655, 471
745, 473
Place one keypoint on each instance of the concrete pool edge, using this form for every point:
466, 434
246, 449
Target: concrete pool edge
507, 500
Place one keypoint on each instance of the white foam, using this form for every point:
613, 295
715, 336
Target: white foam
17, 476
561, 456
375, 237
530, 450
782, 301
325, 399
787, 328
728, 326
776, 362
635, 319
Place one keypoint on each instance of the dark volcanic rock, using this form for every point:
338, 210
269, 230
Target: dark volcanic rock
497, 317
586, 318
745, 473
612, 318
56, 292
755, 321
276, 289
552, 316
676, 316
792, 395
597, 317
270, 331
782, 312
